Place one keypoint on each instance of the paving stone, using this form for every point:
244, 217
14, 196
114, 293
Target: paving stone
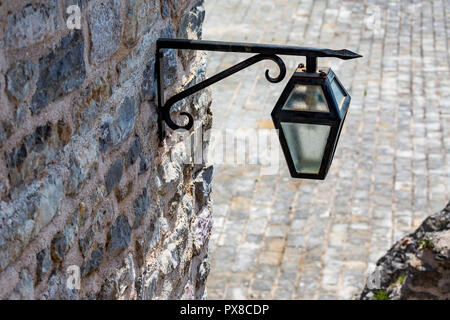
387, 175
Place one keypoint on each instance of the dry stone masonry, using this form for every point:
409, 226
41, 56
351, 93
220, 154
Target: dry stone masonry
91, 205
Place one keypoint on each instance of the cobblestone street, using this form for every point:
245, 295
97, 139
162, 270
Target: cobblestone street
280, 238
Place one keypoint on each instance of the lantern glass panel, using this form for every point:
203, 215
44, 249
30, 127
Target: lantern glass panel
338, 93
306, 143
306, 98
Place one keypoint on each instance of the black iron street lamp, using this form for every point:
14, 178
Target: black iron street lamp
309, 113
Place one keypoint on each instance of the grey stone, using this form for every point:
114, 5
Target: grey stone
169, 60
125, 276
25, 288
51, 198
59, 247
143, 164
6, 130
139, 18
87, 241
133, 152
26, 215
32, 142
57, 288
169, 259
190, 27
203, 272
63, 240
148, 89
119, 236
140, 206
105, 26
20, 79
35, 152
203, 186
93, 262
31, 25
417, 266
60, 72
113, 175
43, 264
202, 228
165, 12
115, 132
190, 24
83, 158
108, 290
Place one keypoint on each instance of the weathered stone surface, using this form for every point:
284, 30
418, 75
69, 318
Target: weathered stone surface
86, 241
73, 132
25, 288
6, 128
143, 164
203, 271
33, 24
88, 107
148, 90
26, 216
20, 79
125, 276
105, 25
165, 12
139, 18
43, 264
190, 27
113, 175
119, 236
60, 72
202, 228
83, 159
148, 241
121, 127
35, 152
140, 206
133, 152
57, 288
59, 247
203, 186
93, 263
417, 266
170, 58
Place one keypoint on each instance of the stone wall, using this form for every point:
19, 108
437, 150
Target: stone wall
85, 187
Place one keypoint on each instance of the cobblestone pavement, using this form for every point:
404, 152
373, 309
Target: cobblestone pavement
279, 238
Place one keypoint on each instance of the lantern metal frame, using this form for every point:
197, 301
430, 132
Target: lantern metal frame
334, 118
263, 52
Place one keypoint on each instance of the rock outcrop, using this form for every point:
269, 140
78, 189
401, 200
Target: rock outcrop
417, 266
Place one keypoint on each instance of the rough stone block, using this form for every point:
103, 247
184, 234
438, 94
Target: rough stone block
120, 127
140, 206
119, 236
105, 25
20, 79
139, 18
33, 24
60, 72
43, 264
114, 175
133, 152
93, 263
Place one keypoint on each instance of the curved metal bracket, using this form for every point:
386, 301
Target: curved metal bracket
264, 52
